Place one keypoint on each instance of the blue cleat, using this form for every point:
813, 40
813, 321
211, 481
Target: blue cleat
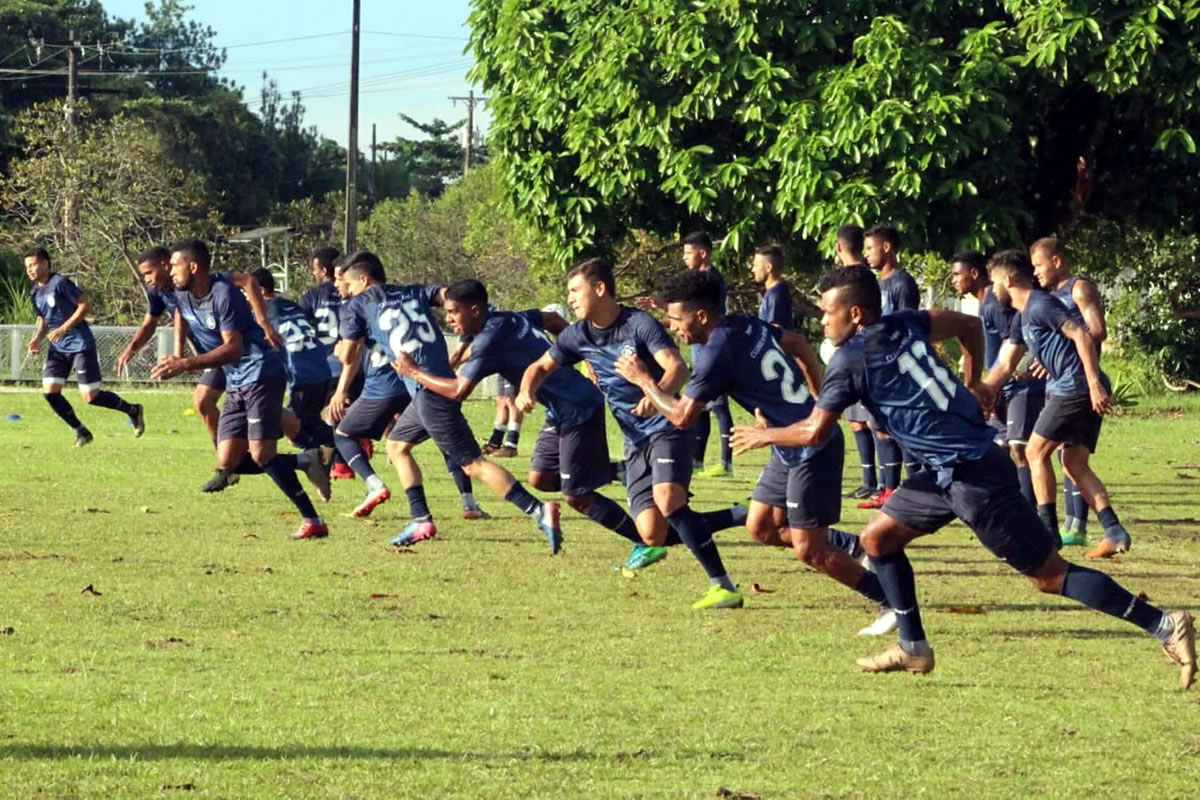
415, 532
548, 524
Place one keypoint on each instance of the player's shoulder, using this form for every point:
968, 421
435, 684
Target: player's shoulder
849, 357
638, 320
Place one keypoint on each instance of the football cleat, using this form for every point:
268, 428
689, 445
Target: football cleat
885, 622
1181, 647
548, 523
311, 529
415, 532
83, 437
717, 471
878, 500
138, 419
318, 473
341, 472
476, 513
718, 597
1072, 538
373, 499
895, 659
643, 556
861, 493
220, 480
1116, 540
504, 451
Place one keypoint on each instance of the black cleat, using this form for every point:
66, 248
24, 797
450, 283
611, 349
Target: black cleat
83, 437
861, 493
220, 481
138, 418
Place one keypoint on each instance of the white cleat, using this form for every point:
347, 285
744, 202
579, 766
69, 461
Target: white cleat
884, 623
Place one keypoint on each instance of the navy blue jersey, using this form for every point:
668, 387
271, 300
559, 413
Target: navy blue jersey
743, 359
159, 303
400, 320
322, 303
634, 332
899, 292
1064, 294
1039, 327
722, 300
892, 369
225, 309
997, 325
56, 302
776, 306
508, 344
306, 360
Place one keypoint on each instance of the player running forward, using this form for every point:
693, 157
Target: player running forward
889, 363
321, 304
797, 498
571, 454
61, 306
399, 319
255, 378
1020, 400
1076, 393
658, 456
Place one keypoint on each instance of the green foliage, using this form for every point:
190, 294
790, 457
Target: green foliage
430, 164
15, 308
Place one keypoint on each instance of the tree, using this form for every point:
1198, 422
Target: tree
434, 162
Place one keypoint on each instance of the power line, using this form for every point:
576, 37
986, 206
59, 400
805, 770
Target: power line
419, 36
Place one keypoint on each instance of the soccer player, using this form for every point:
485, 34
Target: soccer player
400, 320
1076, 393
255, 379
849, 251
796, 500
1020, 400
61, 306
571, 454
1053, 271
889, 363
658, 463
321, 303
776, 306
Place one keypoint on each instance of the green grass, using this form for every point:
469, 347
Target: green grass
220, 656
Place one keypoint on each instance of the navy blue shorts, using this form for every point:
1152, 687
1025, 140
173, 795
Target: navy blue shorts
1023, 411
308, 400
253, 411
577, 455
213, 378
504, 388
85, 363
1070, 420
810, 491
431, 416
664, 457
369, 417
986, 495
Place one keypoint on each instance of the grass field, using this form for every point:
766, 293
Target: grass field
214, 657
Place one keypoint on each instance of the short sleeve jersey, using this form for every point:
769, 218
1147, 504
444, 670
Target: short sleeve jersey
159, 303
55, 302
306, 360
891, 367
225, 309
743, 359
1039, 327
776, 306
400, 319
322, 303
508, 344
634, 332
997, 325
899, 292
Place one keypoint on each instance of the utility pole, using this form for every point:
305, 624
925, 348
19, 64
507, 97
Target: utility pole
469, 145
352, 144
72, 78
374, 171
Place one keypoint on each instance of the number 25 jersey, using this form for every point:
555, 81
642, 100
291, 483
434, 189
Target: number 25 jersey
400, 320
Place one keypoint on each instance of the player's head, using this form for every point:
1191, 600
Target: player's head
1049, 259
968, 272
697, 250
323, 260
358, 271
266, 281
590, 287
189, 258
154, 265
850, 244
37, 263
767, 263
1010, 269
693, 301
466, 304
849, 300
881, 243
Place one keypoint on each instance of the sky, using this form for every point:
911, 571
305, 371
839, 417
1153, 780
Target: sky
411, 58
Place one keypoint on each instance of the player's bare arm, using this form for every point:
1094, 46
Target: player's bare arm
532, 381
253, 292
230, 350
798, 346
181, 332
39, 333
457, 389
553, 323
681, 412
1089, 353
1091, 307
349, 352
805, 433
140, 337
81, 309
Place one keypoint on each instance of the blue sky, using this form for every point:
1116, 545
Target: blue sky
413, 73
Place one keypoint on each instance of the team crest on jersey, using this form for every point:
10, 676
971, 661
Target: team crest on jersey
210, 320
629, 349
50, 300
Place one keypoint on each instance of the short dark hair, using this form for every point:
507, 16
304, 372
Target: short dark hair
851, 236
1051, 245
698, 239
885, 232
972, 258
365, 261
773, 253
694, 288
36, 252
266, 280
194, 250
596, 270
469, 291
326, 258
858, 287
1014, 262
155, 255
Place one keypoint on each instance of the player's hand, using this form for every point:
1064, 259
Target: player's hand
760, 419
1100, 400
524, 402
404, 364
648, 304
645, 408
169, 367
749, 437
123, 360
631, 368
34, 346
273, 337
986, 396
1038, 370
337, 406
56, 334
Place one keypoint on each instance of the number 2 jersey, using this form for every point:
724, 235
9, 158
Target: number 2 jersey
400, 320
892, 369
322, 303
306, 359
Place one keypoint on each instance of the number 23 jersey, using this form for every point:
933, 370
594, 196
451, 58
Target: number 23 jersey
400, 319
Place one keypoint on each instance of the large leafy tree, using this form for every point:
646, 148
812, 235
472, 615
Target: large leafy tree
965, 123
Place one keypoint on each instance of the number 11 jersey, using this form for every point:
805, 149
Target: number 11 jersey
400, 320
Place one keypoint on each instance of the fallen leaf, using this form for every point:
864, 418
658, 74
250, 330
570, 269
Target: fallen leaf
964, 610
400, 551
9, 631
1145, 598
735, 795
1185, 476
268, 570
94, 510
89, 589
181, 787
146, 510
381, 596
249, 535
626, 572
289, 513
760, 590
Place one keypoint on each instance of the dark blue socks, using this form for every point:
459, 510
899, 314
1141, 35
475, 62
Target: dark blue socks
418, 508
355, 456
725, 429
725, 518
865, 441
890, 459
520, 497
1099, 591
610, 514
282, 470
62, 407
895, 575
696, 535
1026, 478
107, 399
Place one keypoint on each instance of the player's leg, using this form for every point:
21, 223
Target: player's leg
406, 434
864, 441
87, 371
367, 418
205, 396
579, 457
466, 491
512, 434
1023, 409
499, 422
1040, 453
54, 377
1076, 463
720, 412
701, 428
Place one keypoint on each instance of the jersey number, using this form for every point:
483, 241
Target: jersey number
774, 367
298, 335
327, 324
931, 376
398, 322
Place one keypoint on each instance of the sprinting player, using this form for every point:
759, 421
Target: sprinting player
321, 304
1020, 400
849, 251
399, 320
255, 378
506, 428
1076, 393
1053, 271
881, 248
889, 363
658, 463
767, 270
797, 499
61, 307
571, 454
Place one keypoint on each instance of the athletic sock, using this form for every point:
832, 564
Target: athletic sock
418, 509
248, 466
375, 483
314, 433
890, 458
895, 575
1097, 590
1048, 514
672, 539
846, 542
512, 435
469, 502
604, 511
497, 435
725, 518
702, 428
696, 535
865, 441
107, 399
353, 453
1108, 519
1025, 476
1081, 513
284, 475
911, 465
725, 429
520, 497
870, 587
62, 407
462, 481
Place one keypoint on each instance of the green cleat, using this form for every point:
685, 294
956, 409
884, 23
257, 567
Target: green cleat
643, 556
1072, 538
718, 471
718, 597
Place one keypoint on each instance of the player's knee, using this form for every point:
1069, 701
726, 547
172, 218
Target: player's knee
1075, 462
1017, 451
579, 502
545, 482
1039, 450
89, 397
876, 542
